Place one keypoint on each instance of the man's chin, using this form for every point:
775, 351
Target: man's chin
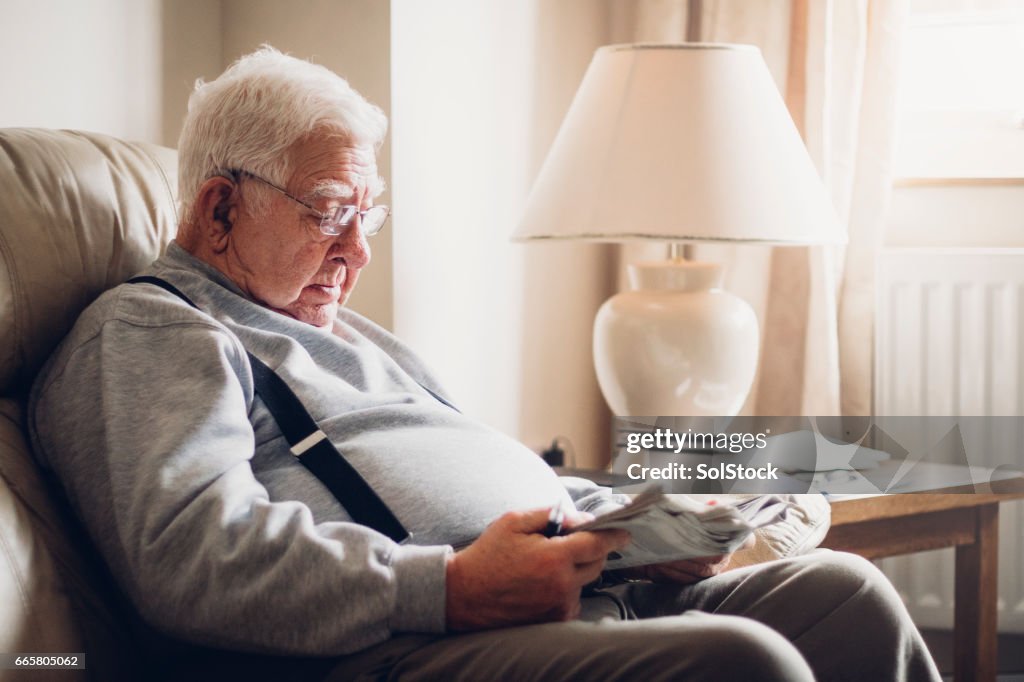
318, 315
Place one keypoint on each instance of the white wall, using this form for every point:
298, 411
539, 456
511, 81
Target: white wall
89, 65
479, 89
462, 104
967, 213
192, 48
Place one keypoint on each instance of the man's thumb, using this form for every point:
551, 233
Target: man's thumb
531, 521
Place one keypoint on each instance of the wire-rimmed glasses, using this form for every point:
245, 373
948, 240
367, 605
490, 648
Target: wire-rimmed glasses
334, 220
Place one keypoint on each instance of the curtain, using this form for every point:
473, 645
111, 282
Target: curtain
835, 62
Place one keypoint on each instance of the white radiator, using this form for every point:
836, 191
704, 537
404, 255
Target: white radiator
949, 341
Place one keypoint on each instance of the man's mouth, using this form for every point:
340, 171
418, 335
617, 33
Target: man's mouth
323, 293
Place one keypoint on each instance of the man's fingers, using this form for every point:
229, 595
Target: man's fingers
589, 572
577, 518
536, 520
590, 546
532, 521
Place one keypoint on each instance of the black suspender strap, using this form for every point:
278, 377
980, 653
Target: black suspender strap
163, 284
309, 444
317, 453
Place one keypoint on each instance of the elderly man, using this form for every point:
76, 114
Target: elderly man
157, 422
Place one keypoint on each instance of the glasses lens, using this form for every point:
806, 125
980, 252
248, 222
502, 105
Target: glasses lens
336, 219
374, 219
340, 217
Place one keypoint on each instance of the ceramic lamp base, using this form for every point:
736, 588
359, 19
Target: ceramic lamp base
677, 344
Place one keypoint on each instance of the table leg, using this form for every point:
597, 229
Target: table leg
975, 618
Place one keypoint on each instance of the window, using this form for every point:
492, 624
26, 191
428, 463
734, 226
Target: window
959, 149
961, 90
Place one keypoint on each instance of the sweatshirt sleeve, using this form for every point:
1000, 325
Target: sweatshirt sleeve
147, 427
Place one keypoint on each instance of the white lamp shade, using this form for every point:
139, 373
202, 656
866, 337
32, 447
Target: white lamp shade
687, 142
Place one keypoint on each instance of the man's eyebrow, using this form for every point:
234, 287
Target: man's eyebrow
329, 189
333, 189
375, 186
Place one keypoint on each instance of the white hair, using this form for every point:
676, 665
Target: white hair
251, 116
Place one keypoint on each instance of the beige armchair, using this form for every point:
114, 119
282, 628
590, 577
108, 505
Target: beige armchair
79, 213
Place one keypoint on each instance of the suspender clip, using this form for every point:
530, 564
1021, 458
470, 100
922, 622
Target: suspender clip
308, 442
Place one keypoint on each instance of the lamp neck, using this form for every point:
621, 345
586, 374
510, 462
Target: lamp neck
678, 251
674, 275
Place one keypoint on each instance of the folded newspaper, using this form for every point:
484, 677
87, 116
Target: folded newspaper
672, 528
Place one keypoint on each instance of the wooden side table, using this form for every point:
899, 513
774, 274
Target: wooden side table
887, 525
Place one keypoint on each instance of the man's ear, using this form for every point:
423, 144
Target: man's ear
216, 211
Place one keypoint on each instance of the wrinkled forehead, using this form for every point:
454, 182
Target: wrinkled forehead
336, 171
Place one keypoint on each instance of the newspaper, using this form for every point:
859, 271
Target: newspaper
671, 528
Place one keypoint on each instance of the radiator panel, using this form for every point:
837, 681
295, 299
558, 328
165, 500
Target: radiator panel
949, 340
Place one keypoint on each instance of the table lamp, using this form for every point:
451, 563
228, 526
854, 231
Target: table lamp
678, 143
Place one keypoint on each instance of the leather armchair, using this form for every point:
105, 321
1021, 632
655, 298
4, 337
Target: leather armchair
79, 213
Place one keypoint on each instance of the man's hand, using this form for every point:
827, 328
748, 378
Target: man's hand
686, 571
514, 575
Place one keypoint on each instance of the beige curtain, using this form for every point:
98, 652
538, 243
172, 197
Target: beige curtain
835, 61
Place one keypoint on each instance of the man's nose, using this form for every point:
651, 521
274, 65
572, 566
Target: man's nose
352, 246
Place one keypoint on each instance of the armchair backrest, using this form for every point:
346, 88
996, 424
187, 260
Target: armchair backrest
79, 213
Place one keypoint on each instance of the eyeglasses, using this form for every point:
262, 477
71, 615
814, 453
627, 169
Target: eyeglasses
334, 220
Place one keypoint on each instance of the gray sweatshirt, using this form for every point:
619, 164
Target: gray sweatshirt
218, 535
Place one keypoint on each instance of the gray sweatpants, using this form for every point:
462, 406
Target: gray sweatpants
825, 615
